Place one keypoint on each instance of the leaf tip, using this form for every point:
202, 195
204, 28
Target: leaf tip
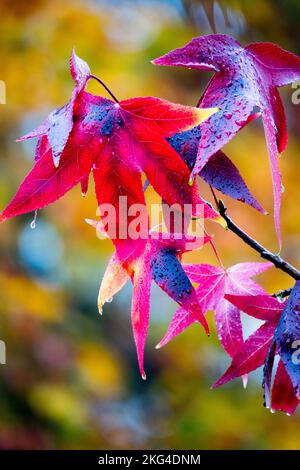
100, 308
206, 327
91, 222
222, 222
214, 386
156, 61
56, 161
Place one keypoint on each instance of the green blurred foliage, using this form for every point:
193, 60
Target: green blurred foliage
71, 378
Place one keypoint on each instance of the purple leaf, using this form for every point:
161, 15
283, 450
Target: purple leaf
245, 80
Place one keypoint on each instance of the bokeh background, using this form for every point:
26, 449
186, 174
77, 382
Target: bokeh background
71, 380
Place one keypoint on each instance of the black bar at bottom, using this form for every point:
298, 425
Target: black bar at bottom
134, 459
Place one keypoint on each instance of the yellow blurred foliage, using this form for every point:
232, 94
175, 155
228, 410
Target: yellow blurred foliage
58, 403
22, 296
100, 369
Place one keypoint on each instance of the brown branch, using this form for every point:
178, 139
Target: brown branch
278, 262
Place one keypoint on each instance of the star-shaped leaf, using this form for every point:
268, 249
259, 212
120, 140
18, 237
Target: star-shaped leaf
118, 141
260, 349
245, 81
214, 283
158, 259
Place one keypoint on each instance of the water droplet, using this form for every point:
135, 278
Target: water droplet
33, 223
109, 300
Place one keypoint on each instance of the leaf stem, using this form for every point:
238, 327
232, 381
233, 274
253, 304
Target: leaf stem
278, 262
104, 86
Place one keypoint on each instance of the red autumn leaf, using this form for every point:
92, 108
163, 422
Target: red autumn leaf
262, 307
245, 81
215, 283
283, 394
117, 140
260, 348
252, 354
156, 258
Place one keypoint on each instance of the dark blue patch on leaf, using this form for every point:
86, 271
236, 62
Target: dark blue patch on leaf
169, 275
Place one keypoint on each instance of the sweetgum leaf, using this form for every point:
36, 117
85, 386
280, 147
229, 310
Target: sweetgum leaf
118, 141
214, 284
58, 125
246, 79
155, 259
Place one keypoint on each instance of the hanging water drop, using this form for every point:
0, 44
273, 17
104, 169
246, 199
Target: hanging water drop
33, 223
109, 300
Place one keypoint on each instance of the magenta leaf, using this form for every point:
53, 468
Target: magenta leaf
245, 80
252, 353
58, 125
263, 307
140, 307
117, 141
214, 284
156, 258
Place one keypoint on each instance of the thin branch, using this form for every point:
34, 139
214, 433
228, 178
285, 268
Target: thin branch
105, 86
282, 293
214, 195
278, 262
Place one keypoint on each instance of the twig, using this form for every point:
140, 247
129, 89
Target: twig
278, 262
104, 86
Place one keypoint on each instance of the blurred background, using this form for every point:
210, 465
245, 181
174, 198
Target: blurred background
71, 380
